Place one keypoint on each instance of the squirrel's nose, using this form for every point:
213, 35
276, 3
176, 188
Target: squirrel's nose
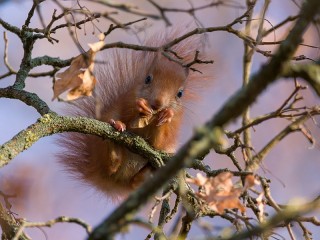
157, 104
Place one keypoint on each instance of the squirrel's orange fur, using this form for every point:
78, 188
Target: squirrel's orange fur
124, 93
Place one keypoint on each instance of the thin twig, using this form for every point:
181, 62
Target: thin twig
50, 223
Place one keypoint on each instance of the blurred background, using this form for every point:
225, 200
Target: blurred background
45, 191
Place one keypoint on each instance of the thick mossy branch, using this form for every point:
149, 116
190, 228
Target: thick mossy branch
25, 65
28, 98
202, 141
9, 27
51, 123
47, 60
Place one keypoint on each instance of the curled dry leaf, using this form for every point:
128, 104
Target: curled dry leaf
219, 193
141, 122
199, 180
78, 79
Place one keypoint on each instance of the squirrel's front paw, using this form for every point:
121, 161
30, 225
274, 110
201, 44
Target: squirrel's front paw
120, 126
165, 116
144, 107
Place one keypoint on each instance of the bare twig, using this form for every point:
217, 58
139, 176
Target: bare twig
5, 57
247, 63
112, 27
31, 12
254, 163
50, 223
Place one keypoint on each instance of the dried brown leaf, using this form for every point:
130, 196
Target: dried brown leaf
141, 122
96, 47
78, 79
219, 192
199, 180
231, 203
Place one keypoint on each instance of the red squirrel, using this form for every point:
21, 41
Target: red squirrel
141, 92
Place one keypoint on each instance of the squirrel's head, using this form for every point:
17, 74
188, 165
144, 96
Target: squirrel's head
163, 84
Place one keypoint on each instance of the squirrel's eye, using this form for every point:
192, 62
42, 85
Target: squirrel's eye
180, 93
148, 79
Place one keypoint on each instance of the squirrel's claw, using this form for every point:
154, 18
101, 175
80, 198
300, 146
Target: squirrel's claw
118, 125
143, 107
165, 116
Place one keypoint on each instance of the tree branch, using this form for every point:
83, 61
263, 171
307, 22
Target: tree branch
28, 98
309, 72
9, 27
51, 123
50, 223
9, 225
254, 163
